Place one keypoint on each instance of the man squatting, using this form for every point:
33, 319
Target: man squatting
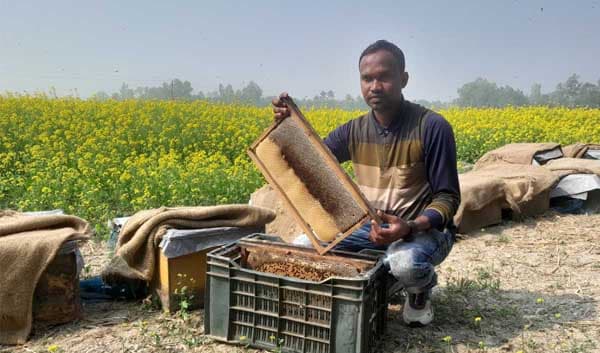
404, 157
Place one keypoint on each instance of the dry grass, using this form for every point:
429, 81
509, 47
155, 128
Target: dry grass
535, 287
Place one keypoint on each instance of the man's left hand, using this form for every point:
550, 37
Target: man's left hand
398, 229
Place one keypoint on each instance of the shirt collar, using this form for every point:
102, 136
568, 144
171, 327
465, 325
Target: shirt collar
394, 126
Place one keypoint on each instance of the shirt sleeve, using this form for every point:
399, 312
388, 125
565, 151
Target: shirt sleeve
442, 174
337, 141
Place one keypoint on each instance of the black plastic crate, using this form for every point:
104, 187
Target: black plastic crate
262, 310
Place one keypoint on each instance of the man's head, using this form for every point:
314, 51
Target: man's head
382, 75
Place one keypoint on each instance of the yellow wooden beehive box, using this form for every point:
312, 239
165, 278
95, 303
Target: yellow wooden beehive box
180, 273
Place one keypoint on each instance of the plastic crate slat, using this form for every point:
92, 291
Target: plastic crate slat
314, 339
209, 273
250, 310
242, 293
307, 323
306, 306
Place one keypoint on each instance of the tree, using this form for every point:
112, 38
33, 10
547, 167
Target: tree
483, 93
479, 93
100, 96
588, 95
226, 93
182, 90
125, 92
511, 96
251, 94
535, 97
573, 93
199, 95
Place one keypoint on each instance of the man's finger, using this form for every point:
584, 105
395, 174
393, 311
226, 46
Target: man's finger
385, 232
375, 227
373, 237
278, 101
372, 232
280, 113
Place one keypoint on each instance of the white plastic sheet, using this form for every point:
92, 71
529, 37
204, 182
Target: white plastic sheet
179, 242
576, 185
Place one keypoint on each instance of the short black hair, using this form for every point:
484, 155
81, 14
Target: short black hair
387, 46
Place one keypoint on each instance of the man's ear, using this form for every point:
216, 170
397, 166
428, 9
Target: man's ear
404, 79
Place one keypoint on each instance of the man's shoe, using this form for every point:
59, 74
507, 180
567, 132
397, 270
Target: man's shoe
417, 311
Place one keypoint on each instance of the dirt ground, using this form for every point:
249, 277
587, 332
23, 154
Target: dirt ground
517, 287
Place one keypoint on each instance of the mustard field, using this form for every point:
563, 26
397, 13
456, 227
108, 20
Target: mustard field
99, 160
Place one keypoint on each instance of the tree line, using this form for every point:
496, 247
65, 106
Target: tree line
250, 94
571, 93
478, 93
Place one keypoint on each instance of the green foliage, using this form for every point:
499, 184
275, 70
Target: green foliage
483, 93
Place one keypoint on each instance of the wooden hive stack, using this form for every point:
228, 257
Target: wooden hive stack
56, 297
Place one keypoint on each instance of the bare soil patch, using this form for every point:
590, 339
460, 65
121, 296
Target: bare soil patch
532, 286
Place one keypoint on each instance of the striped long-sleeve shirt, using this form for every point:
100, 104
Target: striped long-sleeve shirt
406, 169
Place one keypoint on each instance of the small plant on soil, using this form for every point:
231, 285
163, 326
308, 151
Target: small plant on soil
504, 239
448, 341
477, 323
244, 341
184, 296
54, 348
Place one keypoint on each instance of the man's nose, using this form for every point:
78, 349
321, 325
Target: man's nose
376, 85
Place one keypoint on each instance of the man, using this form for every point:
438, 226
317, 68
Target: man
404, 157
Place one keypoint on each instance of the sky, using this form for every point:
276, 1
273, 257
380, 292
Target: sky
302, 47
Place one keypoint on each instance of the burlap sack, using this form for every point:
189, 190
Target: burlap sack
27, 245
578, 150
564, 166
524, 184
135, 256
284, 225
482, 198
514, 153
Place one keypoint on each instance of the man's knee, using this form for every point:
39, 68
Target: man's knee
409, 271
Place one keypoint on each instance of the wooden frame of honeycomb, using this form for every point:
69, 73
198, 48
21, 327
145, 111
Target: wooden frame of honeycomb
326, 203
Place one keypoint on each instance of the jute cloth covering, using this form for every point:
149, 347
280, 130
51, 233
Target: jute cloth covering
135, 254
565, 166
27, 245
522, 183
480, 190
514, 153
284, 225
578, 150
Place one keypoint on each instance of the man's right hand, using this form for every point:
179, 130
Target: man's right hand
280, 109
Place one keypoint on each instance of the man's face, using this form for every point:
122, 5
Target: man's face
381, 81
